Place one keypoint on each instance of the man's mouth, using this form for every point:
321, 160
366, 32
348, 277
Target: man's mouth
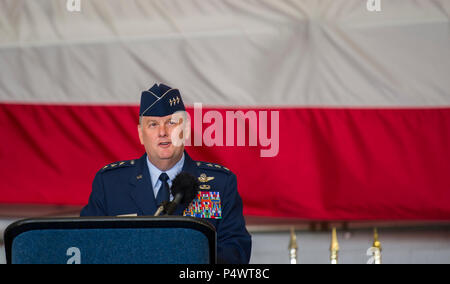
164, 144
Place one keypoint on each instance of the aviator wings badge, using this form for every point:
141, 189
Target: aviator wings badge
204, 178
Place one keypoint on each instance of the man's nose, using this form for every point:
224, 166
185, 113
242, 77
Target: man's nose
162, 131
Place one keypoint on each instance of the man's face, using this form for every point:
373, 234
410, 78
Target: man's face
155, 133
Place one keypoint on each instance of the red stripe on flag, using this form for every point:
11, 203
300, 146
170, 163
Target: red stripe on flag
331, 164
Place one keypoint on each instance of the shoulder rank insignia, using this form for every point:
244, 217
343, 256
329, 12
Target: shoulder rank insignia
205, 205
212, 166
204, 178
118, 165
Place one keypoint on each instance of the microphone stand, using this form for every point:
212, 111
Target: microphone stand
170, 208
161, 208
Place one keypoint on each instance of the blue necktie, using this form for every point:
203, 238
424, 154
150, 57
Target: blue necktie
163, 193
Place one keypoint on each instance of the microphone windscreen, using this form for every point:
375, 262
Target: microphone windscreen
187, 185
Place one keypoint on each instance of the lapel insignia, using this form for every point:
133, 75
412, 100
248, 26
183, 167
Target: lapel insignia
139, 177
204, 178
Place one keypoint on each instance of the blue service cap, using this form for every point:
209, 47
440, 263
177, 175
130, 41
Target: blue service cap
160, 101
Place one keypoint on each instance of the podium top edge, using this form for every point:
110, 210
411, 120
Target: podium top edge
106, 222
109, 222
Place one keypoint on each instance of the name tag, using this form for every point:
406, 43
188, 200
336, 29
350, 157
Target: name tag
205, 205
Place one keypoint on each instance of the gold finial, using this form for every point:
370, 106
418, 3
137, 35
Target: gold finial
293, 247
376, 248
334, 247
376, 242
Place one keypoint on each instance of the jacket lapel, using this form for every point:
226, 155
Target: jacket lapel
190, 167
142, 192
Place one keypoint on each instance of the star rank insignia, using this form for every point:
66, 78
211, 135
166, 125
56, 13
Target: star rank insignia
174, 101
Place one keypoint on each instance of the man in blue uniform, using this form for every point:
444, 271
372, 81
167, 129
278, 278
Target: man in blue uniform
138, 187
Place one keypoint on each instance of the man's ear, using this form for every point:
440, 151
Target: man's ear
139, 128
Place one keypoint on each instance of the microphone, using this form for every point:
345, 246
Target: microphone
184, 189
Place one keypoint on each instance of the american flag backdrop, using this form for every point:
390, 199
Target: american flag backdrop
350, 106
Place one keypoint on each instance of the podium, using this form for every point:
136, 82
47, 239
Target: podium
107, 240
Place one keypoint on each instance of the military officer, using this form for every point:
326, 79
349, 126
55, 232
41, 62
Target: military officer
137, 187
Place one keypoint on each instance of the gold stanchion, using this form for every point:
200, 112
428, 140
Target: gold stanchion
334, 247
293, 247
375, 250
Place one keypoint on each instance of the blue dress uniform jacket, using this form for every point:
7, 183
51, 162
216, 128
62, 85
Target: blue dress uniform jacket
125, 188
